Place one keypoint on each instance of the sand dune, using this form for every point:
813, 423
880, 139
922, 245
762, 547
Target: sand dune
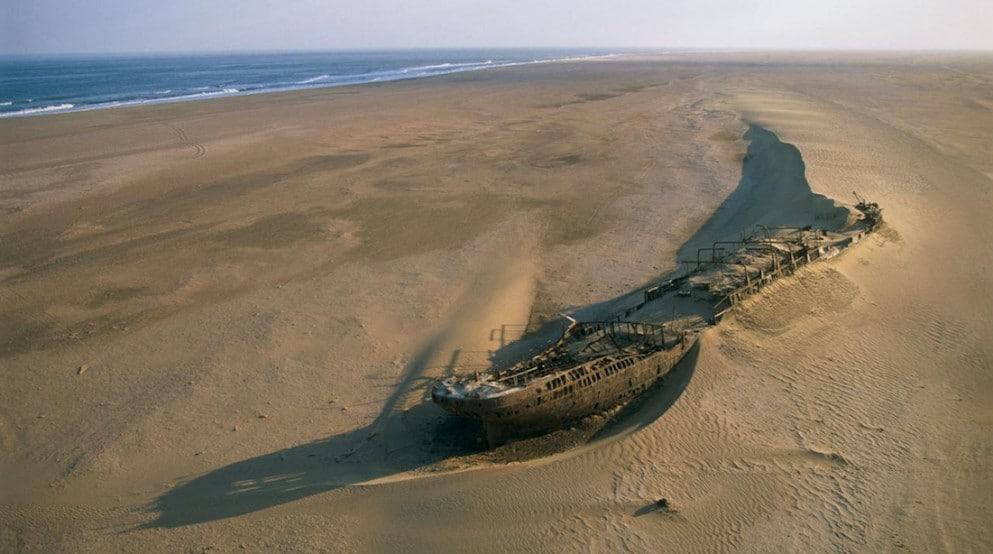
259, 288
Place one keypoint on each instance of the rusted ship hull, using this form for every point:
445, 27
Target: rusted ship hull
551, 403
597, 365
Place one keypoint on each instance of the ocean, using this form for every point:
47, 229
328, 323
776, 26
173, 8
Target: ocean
38, 85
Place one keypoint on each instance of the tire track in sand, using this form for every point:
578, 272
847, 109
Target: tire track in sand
199, 150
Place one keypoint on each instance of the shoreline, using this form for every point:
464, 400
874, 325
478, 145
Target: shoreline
812, 58
67, 107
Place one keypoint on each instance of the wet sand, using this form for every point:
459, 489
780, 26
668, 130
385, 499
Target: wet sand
219, 317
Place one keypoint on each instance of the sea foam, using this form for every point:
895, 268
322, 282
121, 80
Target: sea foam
44, 109
317, 79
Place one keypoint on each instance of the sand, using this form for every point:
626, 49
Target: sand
218, 317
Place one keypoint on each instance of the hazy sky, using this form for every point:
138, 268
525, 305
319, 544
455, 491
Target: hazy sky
70, 26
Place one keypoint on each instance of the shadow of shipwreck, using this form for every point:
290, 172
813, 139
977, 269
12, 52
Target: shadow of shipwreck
398, 441
301, 471
395, 442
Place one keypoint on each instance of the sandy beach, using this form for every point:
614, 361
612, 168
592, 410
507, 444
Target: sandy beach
219, 319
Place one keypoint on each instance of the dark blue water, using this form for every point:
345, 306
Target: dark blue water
31, 85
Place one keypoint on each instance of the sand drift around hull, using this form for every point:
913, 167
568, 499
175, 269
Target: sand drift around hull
596, 366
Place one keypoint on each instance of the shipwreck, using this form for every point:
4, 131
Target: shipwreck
598, 365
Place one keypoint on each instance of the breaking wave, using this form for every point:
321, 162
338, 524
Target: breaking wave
44, 109
317, 79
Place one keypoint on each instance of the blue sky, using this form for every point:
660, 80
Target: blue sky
75, 26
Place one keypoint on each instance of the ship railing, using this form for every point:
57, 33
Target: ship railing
781, 265
533, 368
651, 333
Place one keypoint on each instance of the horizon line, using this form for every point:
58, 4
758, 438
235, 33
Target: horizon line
616, 49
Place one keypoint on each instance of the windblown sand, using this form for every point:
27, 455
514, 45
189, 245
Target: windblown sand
218, 319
